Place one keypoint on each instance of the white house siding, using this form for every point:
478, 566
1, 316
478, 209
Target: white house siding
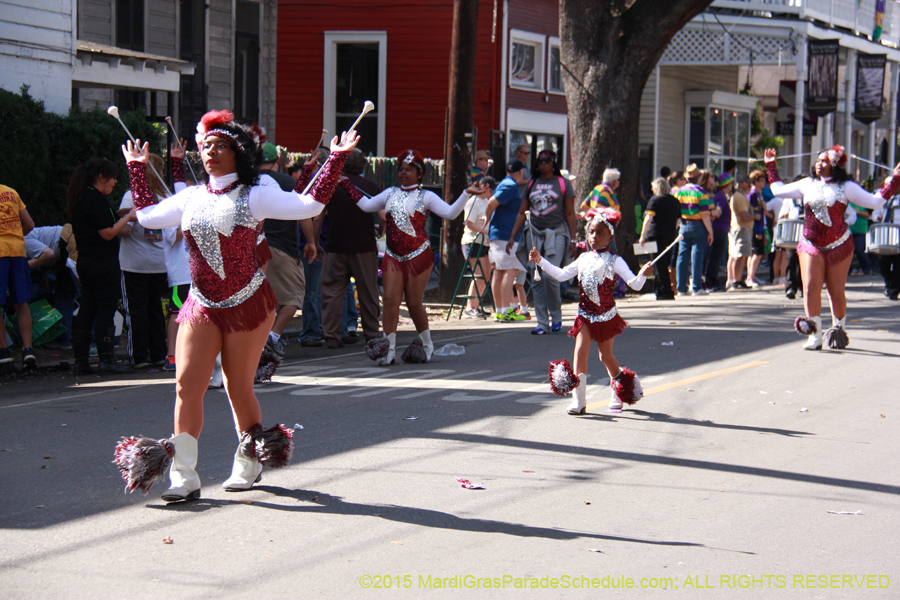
268, 58
674, 82
220, 48
95, 21
37, 49
648, 109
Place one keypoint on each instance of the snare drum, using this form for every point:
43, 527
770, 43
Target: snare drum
788, 232
883, 238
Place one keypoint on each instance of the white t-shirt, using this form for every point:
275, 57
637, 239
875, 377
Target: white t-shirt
178, 266
142, 251
474, 212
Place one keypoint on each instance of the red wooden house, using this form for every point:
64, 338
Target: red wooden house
332, 57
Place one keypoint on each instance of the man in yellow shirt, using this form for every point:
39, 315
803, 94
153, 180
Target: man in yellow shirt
14, 273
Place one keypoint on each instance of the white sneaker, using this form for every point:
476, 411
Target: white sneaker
700, 292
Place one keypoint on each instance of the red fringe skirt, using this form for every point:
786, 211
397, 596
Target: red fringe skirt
263, 253
410, 268
600, 331
833, 256
246, 316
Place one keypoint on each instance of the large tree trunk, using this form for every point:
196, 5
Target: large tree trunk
609, 49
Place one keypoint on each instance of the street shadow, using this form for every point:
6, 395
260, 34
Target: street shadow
664, 418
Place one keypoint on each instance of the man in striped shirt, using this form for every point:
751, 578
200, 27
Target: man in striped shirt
696, 227
604, 195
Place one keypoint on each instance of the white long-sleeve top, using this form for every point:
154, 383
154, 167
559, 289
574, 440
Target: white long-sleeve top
805, 188
620, 268
265, 202
432, 202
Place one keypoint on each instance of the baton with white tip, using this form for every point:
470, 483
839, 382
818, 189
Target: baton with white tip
367, 108
669, 247
537, 270
180, 145
113, 111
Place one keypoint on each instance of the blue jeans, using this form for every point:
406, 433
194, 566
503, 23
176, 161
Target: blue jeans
351, 314
312, 301
691, 249
546, 294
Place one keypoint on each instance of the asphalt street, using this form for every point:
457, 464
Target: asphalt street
730, 479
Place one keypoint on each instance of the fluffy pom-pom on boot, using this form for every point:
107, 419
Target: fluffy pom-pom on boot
377, 348
388, 357
142, 461
806, 325
415, 353
836, 336
562, 378
268, 363
627, 387
579, 395
271, 447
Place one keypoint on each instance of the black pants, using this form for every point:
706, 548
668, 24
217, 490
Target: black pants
890, 271
794, 281
142, 295
99, 280
714, 258
661, 268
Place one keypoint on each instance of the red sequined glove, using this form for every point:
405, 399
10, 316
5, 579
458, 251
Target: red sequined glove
351, 189
891, 189
323, 188
772, 172
177, 169
141, 195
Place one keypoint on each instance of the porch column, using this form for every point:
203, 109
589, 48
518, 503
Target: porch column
799, 107
827, 130
892, 112
849, 89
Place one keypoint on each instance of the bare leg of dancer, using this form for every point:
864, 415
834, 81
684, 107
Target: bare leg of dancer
239, 372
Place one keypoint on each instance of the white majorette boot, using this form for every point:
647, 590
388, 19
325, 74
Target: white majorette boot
579, 404
615, 405
244, 473
814, 342
185, 483
216, 380
425, 336
388, 359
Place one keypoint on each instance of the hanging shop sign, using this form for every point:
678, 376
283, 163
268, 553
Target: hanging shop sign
822, 81
784, 120
869, 87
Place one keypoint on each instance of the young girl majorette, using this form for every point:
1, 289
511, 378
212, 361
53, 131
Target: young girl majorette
598, 319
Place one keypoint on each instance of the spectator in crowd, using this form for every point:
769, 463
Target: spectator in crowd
741, 234
721, 223
15, 276
178, 276
501, 212
777, 256
144, 283
696, 228
661, 220
97, 230
483, 162
284, 272
858, 230
604, 194
51, 248
350, 251
551, 200
311, 241
792, 208
475, 246
523, 155
676, 179
40, 244
758, 241
889, 263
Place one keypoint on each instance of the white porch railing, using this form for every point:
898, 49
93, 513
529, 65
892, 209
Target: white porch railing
848, 14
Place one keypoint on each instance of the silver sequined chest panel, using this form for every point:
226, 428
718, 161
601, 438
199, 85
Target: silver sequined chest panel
207, 215
593, 271
401, 205
824, 197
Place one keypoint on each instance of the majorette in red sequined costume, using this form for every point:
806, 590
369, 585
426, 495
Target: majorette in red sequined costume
408, 257
230, 304
826, 234
597, 312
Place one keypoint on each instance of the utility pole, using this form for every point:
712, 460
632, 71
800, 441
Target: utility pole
460, 124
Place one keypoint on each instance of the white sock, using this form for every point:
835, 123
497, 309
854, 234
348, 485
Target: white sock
503, 310
514, 306
275, 337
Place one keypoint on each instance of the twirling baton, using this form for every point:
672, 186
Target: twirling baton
180, 145
537, 270
669, 247
113, 111
368, 107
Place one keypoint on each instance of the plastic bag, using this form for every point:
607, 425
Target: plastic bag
450, 350
46, 324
